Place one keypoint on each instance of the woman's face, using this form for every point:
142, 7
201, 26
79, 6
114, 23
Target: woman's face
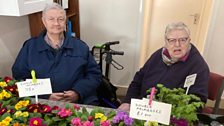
54, 21
177, 43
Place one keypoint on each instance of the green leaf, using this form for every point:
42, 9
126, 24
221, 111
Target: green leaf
4, 116
84, 117
67, 106
56, 119
62, 123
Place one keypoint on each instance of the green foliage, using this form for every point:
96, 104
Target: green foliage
183, 106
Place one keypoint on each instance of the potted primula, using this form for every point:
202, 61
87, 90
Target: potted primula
184, 106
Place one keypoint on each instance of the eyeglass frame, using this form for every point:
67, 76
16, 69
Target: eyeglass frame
59, 19
182, 40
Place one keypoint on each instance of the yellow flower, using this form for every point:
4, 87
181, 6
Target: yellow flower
6, 121
18, 113
98, 115
5, 94
104, 118
21, 104
3, 124
150, 123
18, 106
1, 96
3, 84
25, 114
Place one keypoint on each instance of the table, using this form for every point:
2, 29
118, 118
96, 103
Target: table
204, 119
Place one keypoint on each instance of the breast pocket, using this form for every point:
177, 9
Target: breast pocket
74, 63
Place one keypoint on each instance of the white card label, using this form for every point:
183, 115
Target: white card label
158, 112
190, 80
28, 88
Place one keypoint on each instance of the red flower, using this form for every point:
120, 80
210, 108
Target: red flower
11, 111
12, 89
7, 79
36, 121
90, 118
55, 108
33, 108
3, 110
76, 107
45, 109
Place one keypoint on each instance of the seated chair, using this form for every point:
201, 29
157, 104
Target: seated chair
215, 90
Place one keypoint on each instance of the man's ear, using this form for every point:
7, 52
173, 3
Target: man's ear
43, 21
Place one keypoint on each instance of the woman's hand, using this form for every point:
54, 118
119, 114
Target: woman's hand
124, 107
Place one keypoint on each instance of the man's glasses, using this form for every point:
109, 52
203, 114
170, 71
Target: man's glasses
60, 19
172, 41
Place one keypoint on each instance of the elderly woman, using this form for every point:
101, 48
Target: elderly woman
66, 60
170, 66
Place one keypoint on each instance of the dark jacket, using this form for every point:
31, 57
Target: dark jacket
155, 71
71, 68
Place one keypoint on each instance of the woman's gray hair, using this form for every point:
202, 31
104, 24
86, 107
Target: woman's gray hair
176, 26
52, 6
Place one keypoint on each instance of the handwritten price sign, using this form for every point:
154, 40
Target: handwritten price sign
28, 88
158, 111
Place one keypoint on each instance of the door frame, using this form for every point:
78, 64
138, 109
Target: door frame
144, 29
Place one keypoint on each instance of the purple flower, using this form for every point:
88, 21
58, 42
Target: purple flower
178, 122
128, 121
122, 116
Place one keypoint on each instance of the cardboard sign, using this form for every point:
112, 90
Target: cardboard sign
158, 111
28, 88
190, 80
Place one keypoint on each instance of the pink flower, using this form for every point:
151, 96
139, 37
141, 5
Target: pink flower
88, 123
76, 122
36, 121
105, 123
64, 113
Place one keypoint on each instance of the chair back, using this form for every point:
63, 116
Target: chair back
215, 89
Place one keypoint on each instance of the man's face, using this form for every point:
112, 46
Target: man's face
54, 21
177, 43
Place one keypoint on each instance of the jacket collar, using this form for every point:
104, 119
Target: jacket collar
42, 46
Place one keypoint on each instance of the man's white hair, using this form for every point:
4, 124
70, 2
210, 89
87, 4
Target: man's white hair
53, 6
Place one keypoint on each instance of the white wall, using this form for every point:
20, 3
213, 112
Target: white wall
214, 48
109, 20
13, 32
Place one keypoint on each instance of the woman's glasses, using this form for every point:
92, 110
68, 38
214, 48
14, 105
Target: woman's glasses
172, 41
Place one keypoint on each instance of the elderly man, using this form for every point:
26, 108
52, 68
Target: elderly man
170, 66
66, 60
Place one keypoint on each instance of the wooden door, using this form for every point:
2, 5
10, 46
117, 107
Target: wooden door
166, 11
